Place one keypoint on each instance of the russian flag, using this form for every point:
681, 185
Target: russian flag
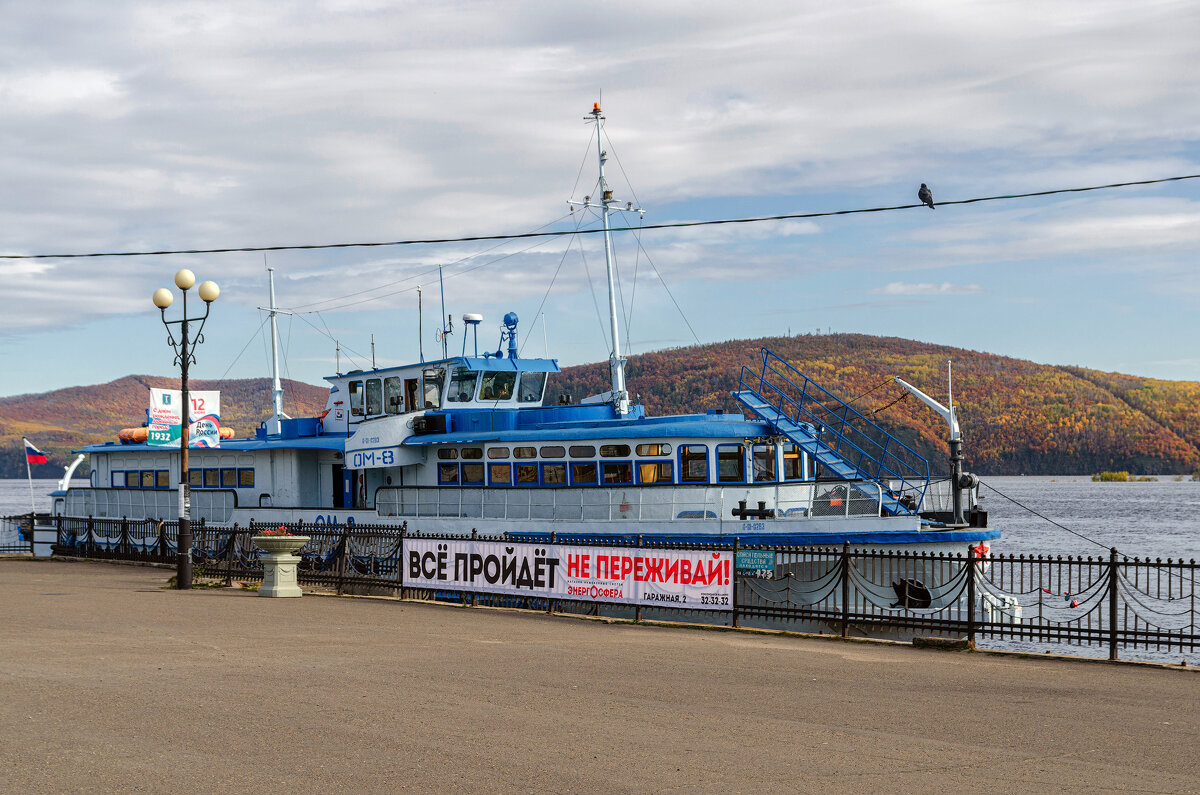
33, 455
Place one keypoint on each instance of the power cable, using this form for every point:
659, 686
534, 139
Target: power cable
564, 233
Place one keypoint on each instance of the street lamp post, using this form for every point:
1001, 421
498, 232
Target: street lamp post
208, 292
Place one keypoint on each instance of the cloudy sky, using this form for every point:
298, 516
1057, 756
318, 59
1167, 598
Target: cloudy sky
132, 126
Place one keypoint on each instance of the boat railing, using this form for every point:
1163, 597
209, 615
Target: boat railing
939, 497
212, 505
681, 503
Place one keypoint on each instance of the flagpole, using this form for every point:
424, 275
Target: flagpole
29, 475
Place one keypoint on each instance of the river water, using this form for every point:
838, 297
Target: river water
1159, 519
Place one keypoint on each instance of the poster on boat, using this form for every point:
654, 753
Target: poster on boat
204, 419
684, 579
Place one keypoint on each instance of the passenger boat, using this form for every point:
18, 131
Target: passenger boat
467, 444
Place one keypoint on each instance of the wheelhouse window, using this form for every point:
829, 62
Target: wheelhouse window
393, 395
764, 463
356, 398
472, 453
462, 385
583, 473
374, 397
654, 449
553, 451
448, 474
731, 463
616, 472
532, 387
497, 385
792, 464
448, 453
614, 450
582, 451
497, 452
655, 472
433, 378
693, 463
524, 452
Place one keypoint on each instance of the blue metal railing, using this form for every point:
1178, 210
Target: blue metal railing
870, 451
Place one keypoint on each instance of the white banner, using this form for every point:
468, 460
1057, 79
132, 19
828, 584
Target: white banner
204, 419
694, 580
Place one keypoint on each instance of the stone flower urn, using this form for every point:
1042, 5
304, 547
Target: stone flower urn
279, 567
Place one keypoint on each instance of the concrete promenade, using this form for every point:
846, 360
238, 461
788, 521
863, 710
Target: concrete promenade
108, 682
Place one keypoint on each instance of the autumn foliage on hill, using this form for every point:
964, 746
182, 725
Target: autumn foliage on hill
67, 419
1017, 416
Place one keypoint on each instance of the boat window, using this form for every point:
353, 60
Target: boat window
527, 474
412, 388
374, 397
614, 450
245, 478
448, 453
791, 462
617, 471
655, 472
162, 479
132, 479
582, 451
583, 473
497, 452
500, 474
731, 463
433, 378
448, 474
472, 452
764, 463
118, 479
148, 478
212, 478
393, 395
462, 385
524, 452
554, 474
472, 474
356, 398
654, 449
552, 451
497, 385
228, 478
195, 478
693, 463
532, 386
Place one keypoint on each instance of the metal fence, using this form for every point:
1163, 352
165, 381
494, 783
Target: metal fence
16, 534
1114, 602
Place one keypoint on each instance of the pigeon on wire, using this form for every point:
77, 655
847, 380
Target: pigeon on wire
926, 195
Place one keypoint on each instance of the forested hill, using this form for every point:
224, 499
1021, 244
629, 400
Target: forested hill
67, 419
1017, 416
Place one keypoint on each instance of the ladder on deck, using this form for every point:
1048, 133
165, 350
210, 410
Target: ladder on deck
847, 444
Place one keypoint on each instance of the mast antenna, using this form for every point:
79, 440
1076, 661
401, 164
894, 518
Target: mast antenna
619, 395
275, 424
373, 367
420, 326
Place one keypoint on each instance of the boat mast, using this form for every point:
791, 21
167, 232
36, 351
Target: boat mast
274, 426
616, 364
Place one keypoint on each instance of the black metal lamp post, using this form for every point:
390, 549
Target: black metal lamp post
208, 292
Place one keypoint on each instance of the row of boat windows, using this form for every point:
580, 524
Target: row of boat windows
225, 478
372, 397
692, 461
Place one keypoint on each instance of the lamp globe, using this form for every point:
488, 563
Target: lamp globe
162, 298
209, 292
184, 279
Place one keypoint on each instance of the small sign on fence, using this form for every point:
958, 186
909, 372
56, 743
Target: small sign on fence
684, 579
758, 563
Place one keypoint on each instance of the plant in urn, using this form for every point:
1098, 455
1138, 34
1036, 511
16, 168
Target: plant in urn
279, 567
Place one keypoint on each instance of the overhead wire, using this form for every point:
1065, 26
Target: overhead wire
564, 233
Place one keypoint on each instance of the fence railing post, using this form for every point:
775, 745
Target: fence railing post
971, 596
230, 547
845, 564
474, 593
123, 543
637, 611
400, 552
1112, 603
733, 581
90, 546
343, 550
550, 602
58, 532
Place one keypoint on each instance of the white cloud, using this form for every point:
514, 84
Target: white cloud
927, 288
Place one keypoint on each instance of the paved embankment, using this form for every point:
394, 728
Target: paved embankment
108, 682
